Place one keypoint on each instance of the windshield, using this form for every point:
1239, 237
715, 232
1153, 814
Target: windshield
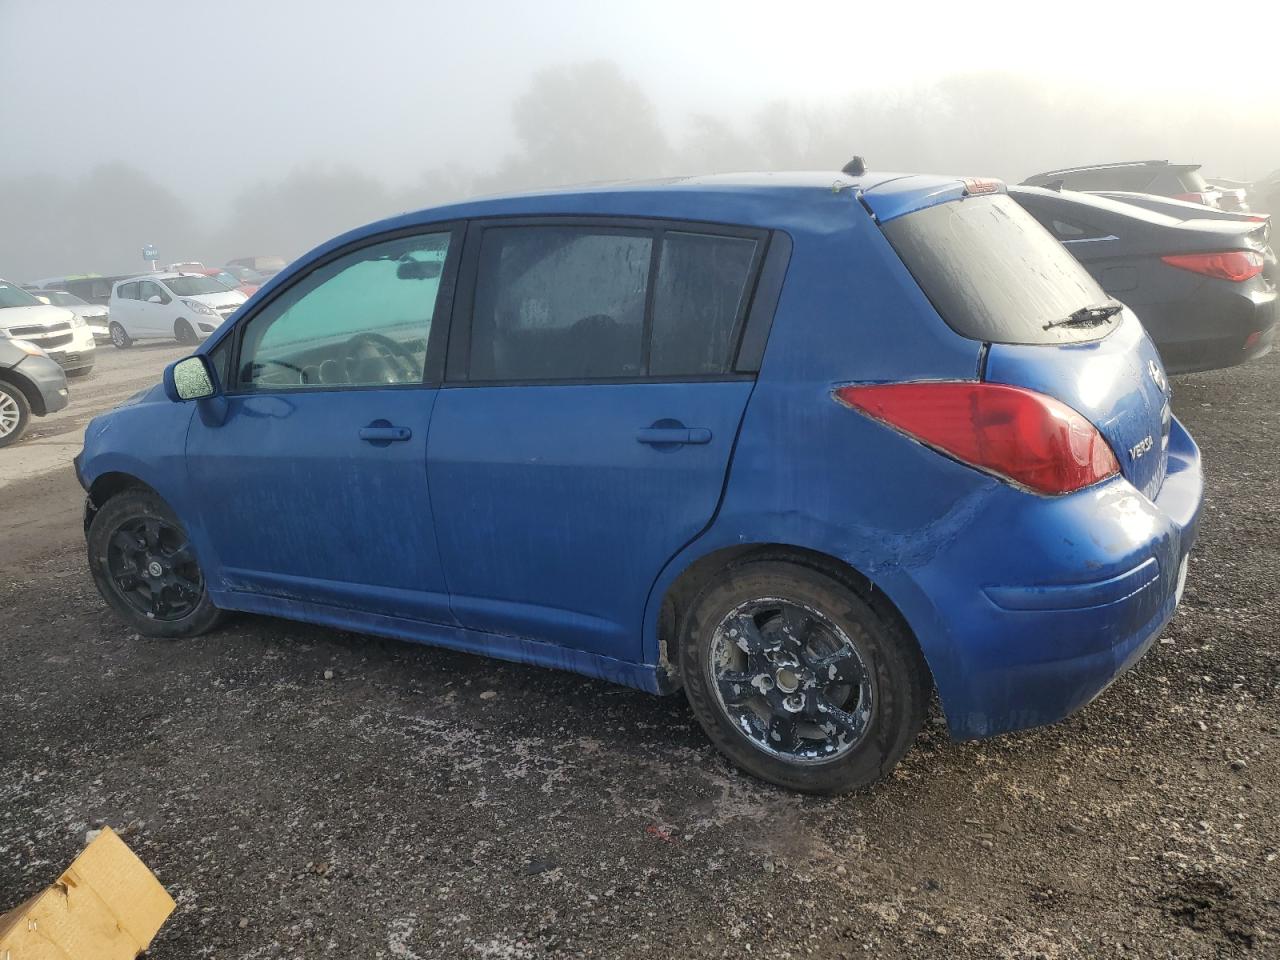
994, 274
195, 286
226, 279
11, 296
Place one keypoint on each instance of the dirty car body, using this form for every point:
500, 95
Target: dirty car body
471, 488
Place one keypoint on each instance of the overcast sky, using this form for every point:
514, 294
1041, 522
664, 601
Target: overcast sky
207, 96
215, 128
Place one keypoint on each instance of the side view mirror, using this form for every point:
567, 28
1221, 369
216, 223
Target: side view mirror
154, 298
191, 378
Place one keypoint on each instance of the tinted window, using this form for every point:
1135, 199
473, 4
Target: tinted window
698, 299
361, 320
127, 291
995, 274
560, 303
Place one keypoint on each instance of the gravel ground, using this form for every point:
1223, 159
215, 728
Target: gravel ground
304, 792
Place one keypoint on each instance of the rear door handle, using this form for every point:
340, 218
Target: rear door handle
380, 433
673, 435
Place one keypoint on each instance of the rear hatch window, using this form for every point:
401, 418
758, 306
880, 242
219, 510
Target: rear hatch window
994, 274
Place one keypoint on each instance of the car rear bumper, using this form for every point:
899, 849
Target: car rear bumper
1086, 585
1211, 333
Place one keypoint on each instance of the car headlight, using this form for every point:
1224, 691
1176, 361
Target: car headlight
198, 307
27, 347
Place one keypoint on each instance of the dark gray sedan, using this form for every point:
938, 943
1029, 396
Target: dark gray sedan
1205, 289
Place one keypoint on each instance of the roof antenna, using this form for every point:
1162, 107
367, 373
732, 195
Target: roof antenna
855, 167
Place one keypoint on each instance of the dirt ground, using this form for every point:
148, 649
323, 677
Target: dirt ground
303, 792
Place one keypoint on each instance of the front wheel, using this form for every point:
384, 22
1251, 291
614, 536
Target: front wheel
15, 414
184, 333
798, 681
145, 568
119, 338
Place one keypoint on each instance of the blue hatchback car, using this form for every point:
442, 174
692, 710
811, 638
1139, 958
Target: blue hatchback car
810, 446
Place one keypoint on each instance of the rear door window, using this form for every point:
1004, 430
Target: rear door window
698, 302
994, 274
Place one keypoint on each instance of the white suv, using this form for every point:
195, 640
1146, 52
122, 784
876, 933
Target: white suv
60, 333
183, 307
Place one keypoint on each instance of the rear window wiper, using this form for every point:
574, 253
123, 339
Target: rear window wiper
1088, 316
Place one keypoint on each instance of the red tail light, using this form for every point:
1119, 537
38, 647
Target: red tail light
1017, 434
1236, 265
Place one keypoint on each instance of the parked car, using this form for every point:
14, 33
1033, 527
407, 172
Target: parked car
1265, 193
1262, 195
1182, 181
91, 289
246, 275
187, 266
183, 307
806, 445
266, 266
95, 317
31, 384
229, 280
1204, 289
65, 337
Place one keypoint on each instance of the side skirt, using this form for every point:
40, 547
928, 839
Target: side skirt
641, 676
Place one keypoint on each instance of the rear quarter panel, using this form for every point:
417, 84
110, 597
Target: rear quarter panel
809, 472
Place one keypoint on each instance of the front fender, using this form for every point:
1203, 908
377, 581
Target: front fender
160, 429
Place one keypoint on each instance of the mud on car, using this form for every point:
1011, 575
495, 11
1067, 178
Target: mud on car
806, 446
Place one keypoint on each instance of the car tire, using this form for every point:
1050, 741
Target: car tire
146, 569
184, 333
801, 729
15, 413
119, 338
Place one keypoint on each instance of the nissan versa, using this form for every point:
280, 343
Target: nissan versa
809, 446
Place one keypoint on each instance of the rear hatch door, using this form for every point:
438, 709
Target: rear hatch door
994, 274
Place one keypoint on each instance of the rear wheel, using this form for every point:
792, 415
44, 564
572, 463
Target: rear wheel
184, 332
798, 681
118, 336
15, 414
146, 569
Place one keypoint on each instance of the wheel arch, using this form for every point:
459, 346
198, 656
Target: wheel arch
109, 484
683, 586
35, 400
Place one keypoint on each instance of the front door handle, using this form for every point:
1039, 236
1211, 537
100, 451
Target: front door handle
381, 432
658, 436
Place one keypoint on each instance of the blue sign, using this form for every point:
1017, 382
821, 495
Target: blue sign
149, 253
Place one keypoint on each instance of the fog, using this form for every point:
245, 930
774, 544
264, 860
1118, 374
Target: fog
223, 130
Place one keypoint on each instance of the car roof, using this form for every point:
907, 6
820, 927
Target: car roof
150, 276
1120, 165
1095, 202
803, 201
